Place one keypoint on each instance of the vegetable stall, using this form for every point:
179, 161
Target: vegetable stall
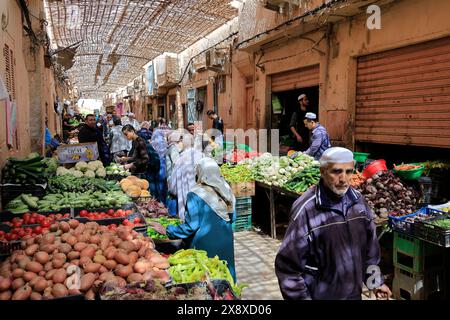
84, 235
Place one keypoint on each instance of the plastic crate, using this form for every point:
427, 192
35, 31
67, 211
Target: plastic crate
405, 223
6, 248
243, 206
414, 255
431, 233
8, 216
360, 157
242, 223
11, 191
418, 286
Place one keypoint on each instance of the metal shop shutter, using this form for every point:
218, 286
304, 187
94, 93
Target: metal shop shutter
299, 78
403, 96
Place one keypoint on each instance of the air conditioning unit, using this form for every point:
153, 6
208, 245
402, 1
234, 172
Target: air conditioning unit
214, 58
199, 63
137, 85
279, 5
130, 90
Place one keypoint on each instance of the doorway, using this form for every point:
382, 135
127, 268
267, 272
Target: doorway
283, 106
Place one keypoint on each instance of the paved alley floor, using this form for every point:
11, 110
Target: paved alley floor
254, 255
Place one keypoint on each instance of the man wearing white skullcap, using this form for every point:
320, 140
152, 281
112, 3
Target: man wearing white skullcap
331, 246
296, 126
133, 122
320, 141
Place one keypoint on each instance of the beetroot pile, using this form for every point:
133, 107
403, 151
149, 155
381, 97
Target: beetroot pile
75, 258
387, 195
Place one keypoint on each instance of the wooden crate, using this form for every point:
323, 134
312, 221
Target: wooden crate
243, 189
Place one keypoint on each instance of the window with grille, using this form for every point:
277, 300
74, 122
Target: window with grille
10, 77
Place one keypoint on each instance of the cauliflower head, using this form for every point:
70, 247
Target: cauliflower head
82, 166
77, 173
89, 174
101, 172
62, 171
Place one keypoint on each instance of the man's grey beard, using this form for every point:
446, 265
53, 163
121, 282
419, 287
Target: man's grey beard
338, 192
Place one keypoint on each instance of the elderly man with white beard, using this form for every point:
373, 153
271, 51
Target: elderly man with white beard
330, 248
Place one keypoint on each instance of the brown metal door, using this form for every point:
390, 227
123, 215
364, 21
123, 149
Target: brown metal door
295, 79
403, 95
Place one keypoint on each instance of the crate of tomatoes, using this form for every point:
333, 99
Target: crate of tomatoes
30, 224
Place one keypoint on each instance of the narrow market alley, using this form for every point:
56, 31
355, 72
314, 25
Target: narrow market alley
255, 256
165, 149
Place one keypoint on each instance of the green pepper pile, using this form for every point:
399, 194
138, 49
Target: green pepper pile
194, 265
443, 223
163, 221
303, 180
237, 173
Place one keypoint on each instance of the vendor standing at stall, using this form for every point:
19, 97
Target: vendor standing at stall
331, 246
320, 141
297, 126
90, 132
137, 159
173, 153
209, 216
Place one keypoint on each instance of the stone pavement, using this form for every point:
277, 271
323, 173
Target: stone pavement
254, 255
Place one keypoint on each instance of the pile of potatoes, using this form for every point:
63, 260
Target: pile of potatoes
46, 267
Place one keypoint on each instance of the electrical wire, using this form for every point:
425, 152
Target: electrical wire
193, 57
293, 55
286, 23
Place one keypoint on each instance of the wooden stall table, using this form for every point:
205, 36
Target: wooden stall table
273, 193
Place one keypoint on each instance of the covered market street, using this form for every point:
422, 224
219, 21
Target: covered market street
260, 151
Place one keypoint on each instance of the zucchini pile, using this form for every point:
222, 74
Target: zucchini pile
69, 183
29, 170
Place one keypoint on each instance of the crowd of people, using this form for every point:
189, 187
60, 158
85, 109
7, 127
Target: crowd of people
183, 177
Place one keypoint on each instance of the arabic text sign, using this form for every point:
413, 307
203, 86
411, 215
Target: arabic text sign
78, 152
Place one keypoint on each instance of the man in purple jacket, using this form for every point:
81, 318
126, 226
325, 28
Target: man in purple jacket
330, 248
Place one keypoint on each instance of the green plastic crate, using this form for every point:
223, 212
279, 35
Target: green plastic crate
360, 156
242, 223
414, 255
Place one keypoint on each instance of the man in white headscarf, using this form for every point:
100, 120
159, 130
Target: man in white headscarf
182, 178
209, 216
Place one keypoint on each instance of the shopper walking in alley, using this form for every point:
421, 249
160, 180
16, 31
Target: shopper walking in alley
137, 159
320, 141
119, 144
132, 120
173, 154
330, 247
182, 178
145, 132
209, 216
296, 125
90, 132
159, 143
217, 125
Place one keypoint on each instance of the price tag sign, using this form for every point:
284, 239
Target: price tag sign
77, 152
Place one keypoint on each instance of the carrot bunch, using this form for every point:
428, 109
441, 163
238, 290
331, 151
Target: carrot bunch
357, 179
404, 167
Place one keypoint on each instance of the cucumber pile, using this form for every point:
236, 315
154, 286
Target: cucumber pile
23, 203
29, 170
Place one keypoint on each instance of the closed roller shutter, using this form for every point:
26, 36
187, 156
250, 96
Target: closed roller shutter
299, 78
403, 96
